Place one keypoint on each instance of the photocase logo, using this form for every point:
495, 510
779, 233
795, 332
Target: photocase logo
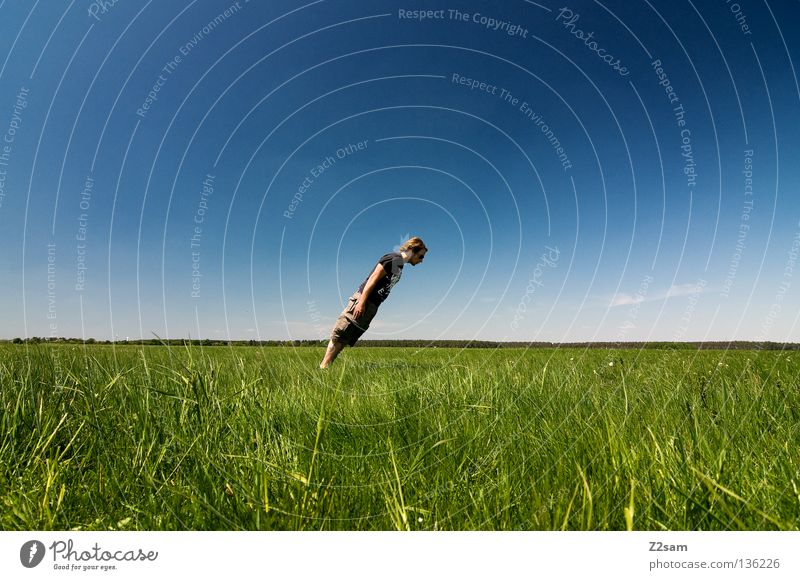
31, 554
403, 239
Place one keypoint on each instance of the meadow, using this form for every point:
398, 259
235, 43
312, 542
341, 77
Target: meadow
247, 438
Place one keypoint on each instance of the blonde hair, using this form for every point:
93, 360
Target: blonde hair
414, 244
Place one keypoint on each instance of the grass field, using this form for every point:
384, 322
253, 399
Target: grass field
156, 438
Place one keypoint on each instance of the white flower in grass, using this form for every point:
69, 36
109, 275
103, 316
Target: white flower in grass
611, 364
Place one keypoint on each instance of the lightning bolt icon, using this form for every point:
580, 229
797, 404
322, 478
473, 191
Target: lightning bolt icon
34, 549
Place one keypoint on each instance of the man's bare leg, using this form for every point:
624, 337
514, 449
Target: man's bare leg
334, 348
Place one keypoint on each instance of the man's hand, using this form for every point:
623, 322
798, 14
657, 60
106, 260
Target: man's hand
358, 309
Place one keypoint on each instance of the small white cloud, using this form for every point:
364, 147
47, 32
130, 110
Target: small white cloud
684, 290
673, 291
624, 300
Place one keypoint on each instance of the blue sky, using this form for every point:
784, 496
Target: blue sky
580, 171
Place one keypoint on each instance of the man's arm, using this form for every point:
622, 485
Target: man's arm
376, 275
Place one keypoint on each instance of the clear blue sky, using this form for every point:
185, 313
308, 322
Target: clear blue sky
579, 171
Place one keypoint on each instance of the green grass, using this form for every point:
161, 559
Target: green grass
157, 438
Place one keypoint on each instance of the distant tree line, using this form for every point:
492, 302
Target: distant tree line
717, 345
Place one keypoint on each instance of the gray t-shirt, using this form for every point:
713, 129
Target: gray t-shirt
393, 267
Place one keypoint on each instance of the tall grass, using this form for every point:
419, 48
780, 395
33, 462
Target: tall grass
102, 437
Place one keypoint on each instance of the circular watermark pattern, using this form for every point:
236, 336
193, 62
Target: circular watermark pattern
479, 219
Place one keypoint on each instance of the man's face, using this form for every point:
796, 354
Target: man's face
417, 257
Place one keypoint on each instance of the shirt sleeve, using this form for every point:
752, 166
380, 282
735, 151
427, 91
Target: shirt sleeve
387, 261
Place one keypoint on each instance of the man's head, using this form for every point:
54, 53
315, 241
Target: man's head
414, 248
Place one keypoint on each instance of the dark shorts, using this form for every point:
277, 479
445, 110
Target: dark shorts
348, 329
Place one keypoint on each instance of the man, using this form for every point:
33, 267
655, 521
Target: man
364, 303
